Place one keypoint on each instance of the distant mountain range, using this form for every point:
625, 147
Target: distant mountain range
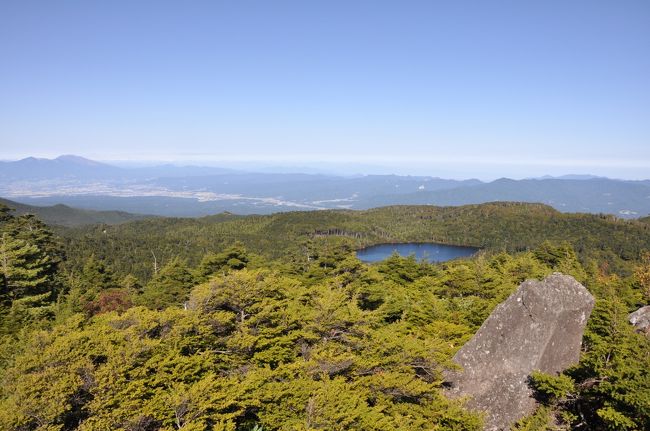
628, 199
194, 191
72, 167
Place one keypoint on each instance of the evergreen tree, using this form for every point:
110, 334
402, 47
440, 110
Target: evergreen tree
24, 269
169, 287
29, 260
612, 378
96, 276
233, 258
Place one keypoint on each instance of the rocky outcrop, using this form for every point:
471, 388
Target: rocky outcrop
539, 327
641, 320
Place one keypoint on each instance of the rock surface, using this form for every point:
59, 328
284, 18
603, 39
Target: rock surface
641, 320
539, 327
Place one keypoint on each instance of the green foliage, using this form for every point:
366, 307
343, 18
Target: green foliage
131, 284
303, 237
551, 389
259, 347
612, 377
29, 260
96, 275
298, 334
561, 258
28, 257
399, 269
233, 258
642, 275
63, 215
540, 420
255, 347
86, 288
615, 420
22, 270
169, 287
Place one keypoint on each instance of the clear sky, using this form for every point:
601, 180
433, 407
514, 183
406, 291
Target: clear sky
507, 87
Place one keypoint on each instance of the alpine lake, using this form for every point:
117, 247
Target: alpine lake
423, 251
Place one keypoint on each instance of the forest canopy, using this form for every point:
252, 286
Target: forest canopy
250, 323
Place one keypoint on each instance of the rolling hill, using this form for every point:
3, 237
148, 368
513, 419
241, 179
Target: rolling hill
63, 215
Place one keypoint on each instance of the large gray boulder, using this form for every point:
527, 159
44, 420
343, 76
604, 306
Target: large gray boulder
539, 327
641, 320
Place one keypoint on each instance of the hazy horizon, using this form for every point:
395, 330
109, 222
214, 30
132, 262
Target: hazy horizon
459, 169
462, 89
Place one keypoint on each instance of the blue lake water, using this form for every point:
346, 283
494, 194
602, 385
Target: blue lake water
429, 252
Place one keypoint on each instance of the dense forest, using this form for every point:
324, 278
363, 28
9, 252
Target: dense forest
268, 323
137, 247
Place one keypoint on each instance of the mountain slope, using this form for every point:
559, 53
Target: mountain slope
68, 166
63, 215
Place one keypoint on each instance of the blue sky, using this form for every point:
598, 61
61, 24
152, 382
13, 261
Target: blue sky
501, 87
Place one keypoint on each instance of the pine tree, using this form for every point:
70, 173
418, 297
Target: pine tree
23, 268
169, 287
233, 258
29, 259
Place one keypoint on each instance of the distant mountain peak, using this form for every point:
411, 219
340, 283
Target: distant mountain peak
577, 177
30, 159
71, 158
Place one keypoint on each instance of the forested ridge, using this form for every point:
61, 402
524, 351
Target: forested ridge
271, 322
511, 227
64, 215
